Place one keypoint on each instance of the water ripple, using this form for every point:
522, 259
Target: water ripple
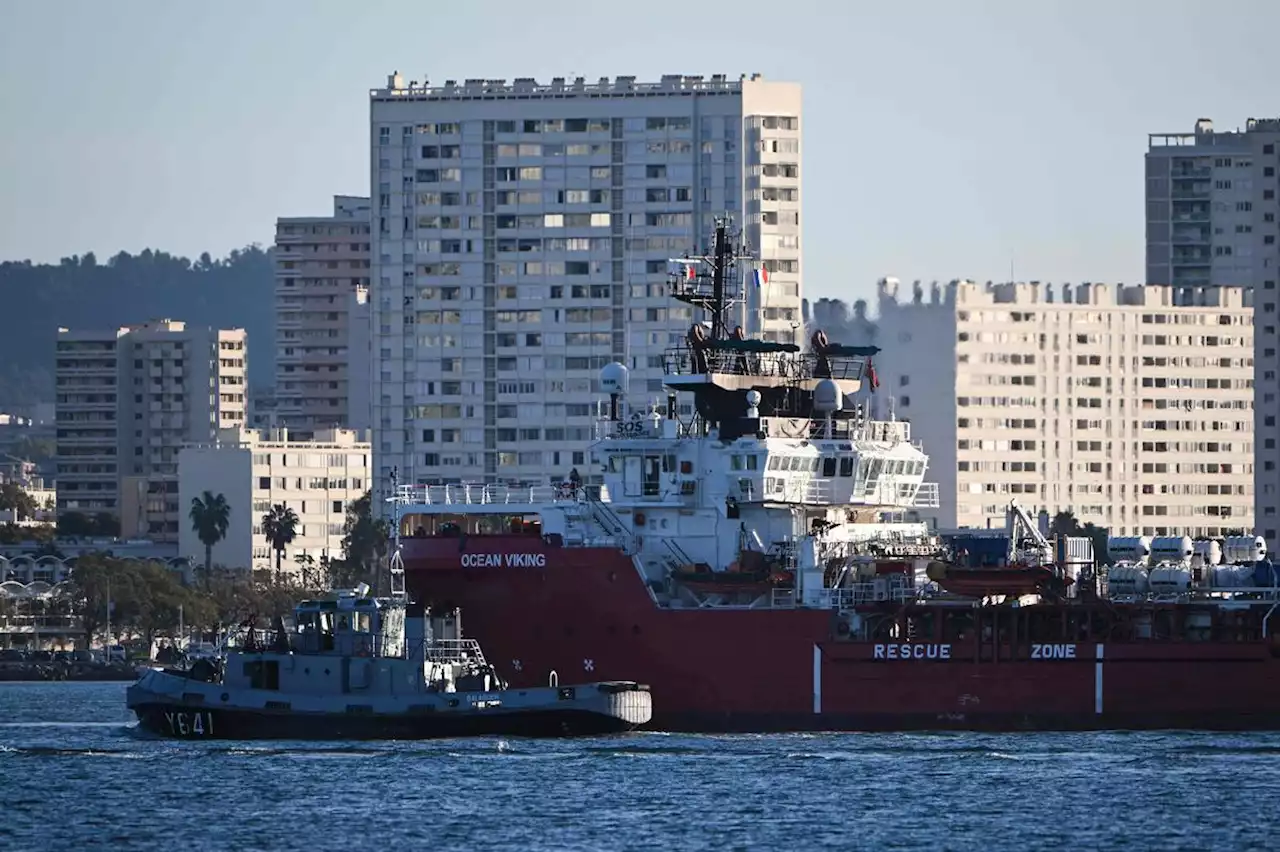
76, 773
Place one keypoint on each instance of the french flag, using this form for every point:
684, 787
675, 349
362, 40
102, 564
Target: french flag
760, 276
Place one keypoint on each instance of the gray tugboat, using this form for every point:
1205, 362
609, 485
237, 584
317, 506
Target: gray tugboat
353, 666
359, 667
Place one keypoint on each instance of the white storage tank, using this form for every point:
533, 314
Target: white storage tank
1126, 578
1130, 548
1241, 549
1172, 548
1210, 552
1169, 578
1231, 576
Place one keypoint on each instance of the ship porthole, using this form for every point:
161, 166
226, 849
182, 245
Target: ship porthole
225, 697
635, 628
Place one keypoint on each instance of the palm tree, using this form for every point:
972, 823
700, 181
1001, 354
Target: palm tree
280, 527
210, 517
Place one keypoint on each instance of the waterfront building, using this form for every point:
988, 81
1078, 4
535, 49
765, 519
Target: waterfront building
322, 341
521, 237
127, 400
254, 470
1130, 406
1211, 220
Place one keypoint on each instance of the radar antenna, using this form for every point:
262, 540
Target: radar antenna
713, 281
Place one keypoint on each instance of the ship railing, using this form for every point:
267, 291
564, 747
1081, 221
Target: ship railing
453, 651
849, 597
884, 491
616, 530
475, 494
1234, 594
927, 496
683, 361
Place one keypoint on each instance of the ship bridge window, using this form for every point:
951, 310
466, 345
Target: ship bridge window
873, 471
753, 462
828, 466
846, 465
355, 622
776, 463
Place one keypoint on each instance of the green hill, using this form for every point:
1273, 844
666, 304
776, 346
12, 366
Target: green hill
80, 292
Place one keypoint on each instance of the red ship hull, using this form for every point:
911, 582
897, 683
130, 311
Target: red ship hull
585, 613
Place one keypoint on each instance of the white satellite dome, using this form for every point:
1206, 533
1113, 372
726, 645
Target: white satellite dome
613, 378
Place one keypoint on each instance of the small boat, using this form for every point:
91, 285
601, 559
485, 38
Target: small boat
354, 666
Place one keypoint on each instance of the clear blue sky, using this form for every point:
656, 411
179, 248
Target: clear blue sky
942, 139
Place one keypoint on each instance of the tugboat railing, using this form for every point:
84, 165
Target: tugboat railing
453, 651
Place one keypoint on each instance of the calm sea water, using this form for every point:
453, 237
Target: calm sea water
75, 774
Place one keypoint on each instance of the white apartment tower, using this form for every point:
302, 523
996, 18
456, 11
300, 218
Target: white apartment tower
322, 280
520, 242
127, 400
1211, 219
1129, 406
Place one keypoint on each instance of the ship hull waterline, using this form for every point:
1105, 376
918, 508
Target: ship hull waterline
199, 722
586, 612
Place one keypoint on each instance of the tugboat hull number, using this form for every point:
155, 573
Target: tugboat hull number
184, 723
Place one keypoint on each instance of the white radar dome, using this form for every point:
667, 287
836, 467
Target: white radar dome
613, 378
827, 396
753, 398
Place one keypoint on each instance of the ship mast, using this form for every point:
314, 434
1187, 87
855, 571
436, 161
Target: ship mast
395, 564
713, 281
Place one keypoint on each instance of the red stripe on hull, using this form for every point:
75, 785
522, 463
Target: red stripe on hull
587, 615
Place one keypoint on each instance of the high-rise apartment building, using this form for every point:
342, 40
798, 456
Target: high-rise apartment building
127, 400
322, 280
1211, 219
1129, 406
520, 243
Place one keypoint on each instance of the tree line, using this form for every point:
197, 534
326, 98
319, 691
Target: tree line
82, 292
148, 599
364, 538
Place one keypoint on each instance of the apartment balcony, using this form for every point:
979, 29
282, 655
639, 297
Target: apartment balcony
1190, 172
104, 441
1191, 236
1190, 190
